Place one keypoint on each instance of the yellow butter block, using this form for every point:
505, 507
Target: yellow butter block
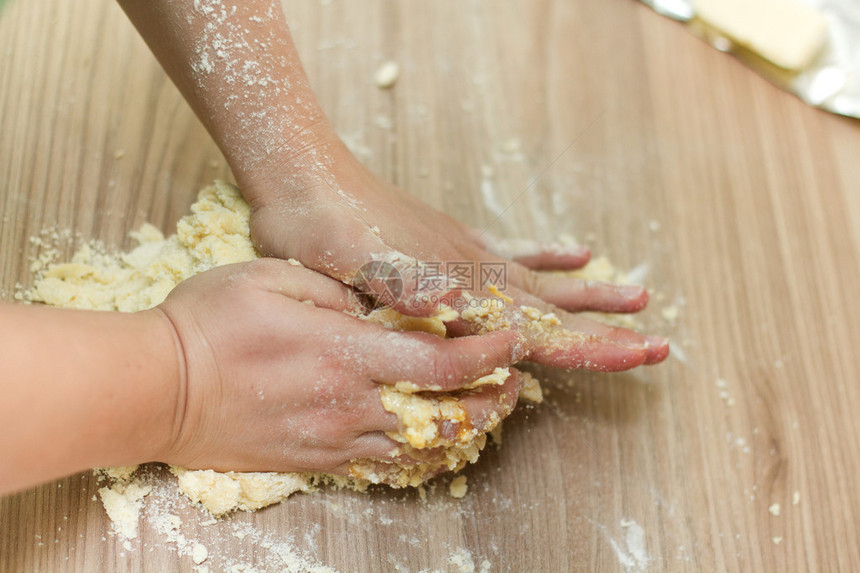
784, 32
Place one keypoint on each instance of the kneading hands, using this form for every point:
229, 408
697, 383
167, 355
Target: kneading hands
266, 371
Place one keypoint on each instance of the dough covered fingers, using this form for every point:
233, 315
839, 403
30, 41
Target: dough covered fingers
557, 338
417, 361
273, 383
438, 432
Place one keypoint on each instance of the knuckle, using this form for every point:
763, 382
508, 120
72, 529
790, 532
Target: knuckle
351, 420
262, 267
447, 368
329, 461
530, 281
334, 437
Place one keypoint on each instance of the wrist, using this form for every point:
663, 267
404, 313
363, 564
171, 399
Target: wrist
168, 409
312, 159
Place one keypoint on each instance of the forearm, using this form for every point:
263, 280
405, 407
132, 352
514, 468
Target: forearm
83, 389
238, 68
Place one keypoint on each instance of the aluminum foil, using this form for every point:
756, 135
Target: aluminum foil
831, 82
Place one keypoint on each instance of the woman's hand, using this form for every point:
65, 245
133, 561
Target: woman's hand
338, 218
312, 200
275, 382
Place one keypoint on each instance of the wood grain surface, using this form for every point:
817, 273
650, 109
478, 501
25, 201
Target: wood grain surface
596, 118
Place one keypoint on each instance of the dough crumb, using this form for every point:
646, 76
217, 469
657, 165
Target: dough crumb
511, 145
462, 562
670, 314
173, 521
795, 499
774, 510
221, 493
496, 435
458, 487
199, 553
387, 74
531, 391
122, 502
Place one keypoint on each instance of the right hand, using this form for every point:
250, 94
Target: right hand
337, 217
273, 382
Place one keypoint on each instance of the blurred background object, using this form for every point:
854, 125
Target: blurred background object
808, 47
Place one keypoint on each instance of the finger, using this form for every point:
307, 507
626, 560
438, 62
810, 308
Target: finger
384, 275
569, 293
656, 347
394, 474
379, 459
291, 279
485, 408
575, 295
431, 363
538, 255
549, 259
391, 279
375, 418
657, 351
594, 345
556, 338
373, 445
445, 420
569, 349
380, 447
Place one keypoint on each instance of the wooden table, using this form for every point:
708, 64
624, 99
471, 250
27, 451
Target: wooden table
597, 118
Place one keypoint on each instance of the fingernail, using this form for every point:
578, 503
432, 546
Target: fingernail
580, 250
655, 341
521, 349
563, 249
630, 291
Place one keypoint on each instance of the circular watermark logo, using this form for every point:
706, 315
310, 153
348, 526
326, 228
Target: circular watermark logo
378, 284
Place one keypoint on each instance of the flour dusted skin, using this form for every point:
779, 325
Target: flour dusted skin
217, 233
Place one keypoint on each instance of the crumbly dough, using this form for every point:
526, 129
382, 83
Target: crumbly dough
217, 233
419, 416
458, 487
221, 493
531, 391
387, 74
122, 501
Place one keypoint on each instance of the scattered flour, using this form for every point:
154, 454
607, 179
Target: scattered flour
461, 561
631, 551
271, 553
